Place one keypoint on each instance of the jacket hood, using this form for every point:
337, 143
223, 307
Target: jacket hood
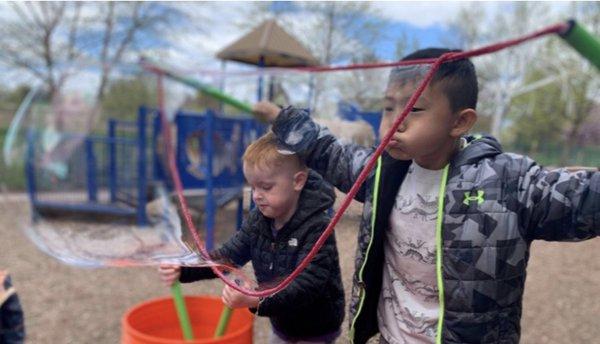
317, 196
475, 148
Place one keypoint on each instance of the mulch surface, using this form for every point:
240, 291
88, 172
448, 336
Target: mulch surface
65, 304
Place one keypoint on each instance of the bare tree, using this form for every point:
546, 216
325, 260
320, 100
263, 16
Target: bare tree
544, 88
334, 32
123, 23
405, 45
340, 32
364, 87
501, 74
49, 40
29, 42
341, 29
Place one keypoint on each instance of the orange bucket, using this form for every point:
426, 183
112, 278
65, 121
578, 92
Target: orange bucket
156, 322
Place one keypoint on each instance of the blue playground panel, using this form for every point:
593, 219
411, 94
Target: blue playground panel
209, 149
104, 174
352, 112
113, 174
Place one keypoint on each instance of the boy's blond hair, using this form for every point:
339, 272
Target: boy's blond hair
263, 153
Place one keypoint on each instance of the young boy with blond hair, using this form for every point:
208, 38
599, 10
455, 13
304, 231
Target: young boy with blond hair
448, 217
290, 215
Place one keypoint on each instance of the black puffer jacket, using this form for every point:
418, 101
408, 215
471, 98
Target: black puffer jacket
12, 329
313, 304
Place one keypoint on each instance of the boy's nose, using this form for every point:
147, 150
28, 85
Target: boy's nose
402, 126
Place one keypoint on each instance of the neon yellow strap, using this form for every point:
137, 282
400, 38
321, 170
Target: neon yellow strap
360, 274
438, 253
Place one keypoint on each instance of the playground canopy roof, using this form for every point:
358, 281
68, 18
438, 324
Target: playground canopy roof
269, 41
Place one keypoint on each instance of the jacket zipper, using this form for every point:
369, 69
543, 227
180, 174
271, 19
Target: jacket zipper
360, 274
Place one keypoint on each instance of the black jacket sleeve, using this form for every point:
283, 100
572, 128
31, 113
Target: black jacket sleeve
12, 324
236, 251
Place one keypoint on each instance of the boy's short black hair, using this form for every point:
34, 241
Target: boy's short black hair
457, 78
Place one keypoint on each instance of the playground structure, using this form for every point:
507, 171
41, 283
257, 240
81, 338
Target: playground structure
352, 112
128, 191
268, 45
114, 174
94, 189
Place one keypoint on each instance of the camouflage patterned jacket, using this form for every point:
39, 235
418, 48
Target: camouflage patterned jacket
494, 204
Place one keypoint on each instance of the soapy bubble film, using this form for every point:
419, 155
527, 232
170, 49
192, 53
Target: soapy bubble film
98, 187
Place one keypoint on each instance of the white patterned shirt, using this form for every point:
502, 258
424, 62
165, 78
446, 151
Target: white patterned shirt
409, 302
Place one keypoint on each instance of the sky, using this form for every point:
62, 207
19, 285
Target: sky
422, 21
426, 21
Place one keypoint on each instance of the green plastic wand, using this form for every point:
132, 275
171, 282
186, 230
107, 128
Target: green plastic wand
223, 321
182, 313
208, 90
583, 41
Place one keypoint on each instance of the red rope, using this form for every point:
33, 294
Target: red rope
364, 173
558, 28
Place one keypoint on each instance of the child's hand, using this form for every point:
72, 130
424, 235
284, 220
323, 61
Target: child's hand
169, 274
234, 299
266, 111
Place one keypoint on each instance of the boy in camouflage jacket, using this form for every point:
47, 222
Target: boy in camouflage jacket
447, 266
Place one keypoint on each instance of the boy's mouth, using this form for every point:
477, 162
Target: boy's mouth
394, 143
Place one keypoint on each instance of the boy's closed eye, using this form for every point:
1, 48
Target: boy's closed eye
265, 187
414, 109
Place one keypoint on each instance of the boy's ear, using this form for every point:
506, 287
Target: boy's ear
463, 122
299, 180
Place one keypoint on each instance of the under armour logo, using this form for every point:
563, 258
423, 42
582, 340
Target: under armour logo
293, 242
469, 197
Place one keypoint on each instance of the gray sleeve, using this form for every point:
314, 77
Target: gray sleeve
340, 164
558, 205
